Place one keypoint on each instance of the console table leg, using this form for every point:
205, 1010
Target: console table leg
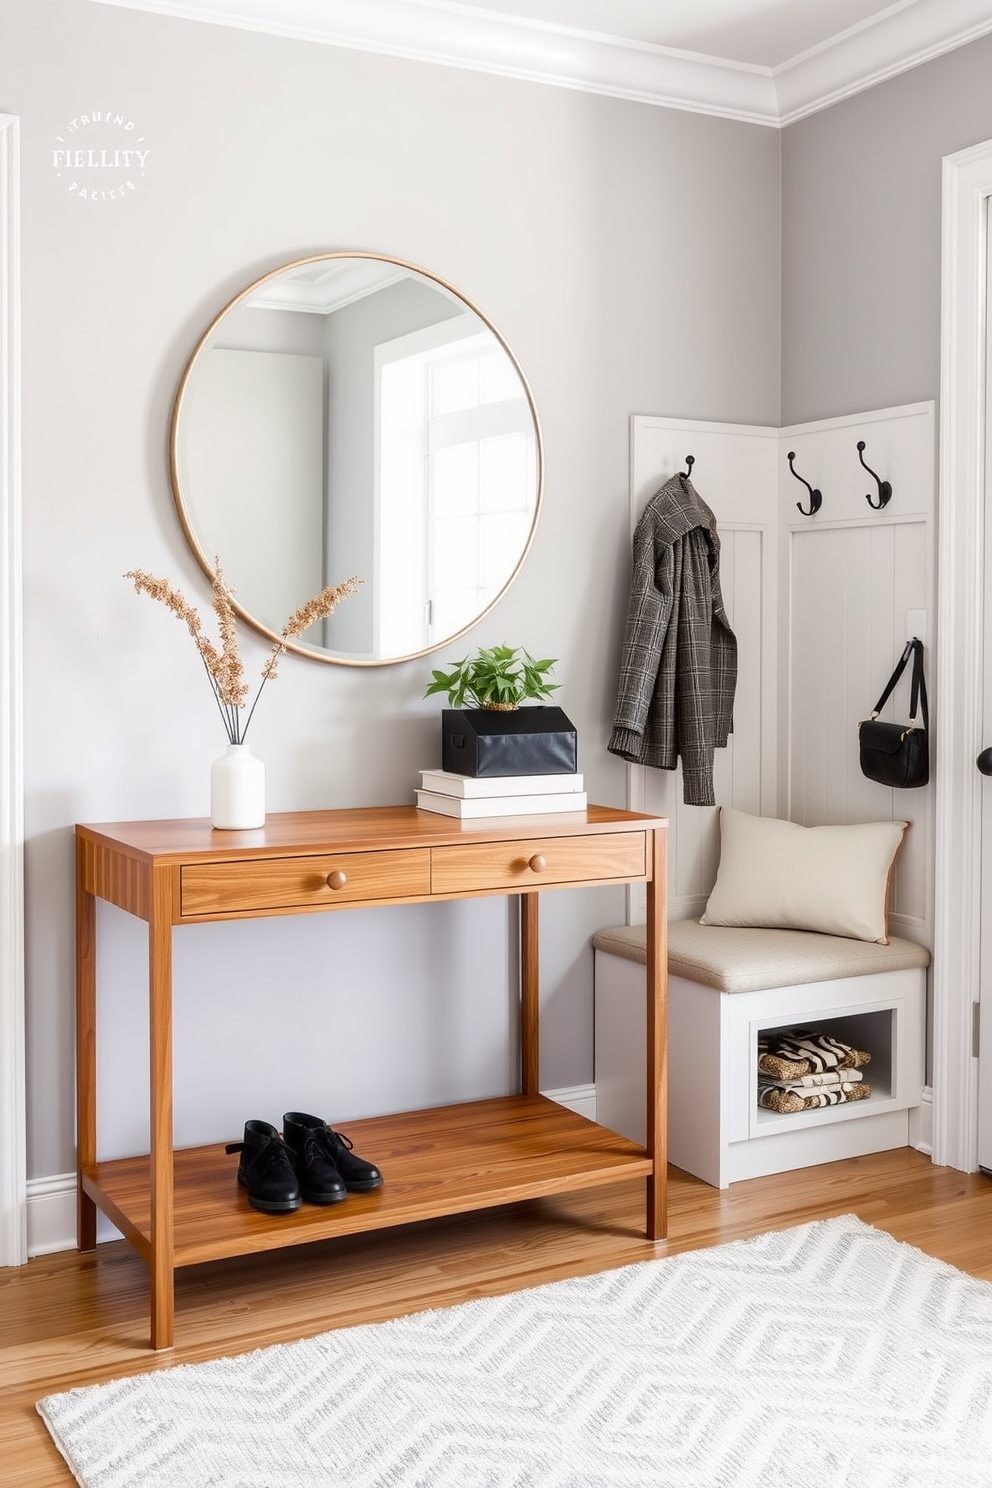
657, 1054
163, 1304
160, 1031
530, 992
85, 1057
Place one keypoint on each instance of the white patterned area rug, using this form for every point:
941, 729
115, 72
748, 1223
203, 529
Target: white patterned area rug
826, 1356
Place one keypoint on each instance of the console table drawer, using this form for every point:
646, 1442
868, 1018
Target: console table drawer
303, 883
534, 861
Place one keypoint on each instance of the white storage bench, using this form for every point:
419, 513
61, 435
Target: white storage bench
727, 986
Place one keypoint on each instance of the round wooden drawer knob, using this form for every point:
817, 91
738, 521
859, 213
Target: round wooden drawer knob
538, 863
337, 879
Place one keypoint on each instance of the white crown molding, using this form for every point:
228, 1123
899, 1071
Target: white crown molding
453, 35
321, 293
458, 37
904, 36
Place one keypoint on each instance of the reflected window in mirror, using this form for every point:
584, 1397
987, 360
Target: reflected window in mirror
354, 414
456, 480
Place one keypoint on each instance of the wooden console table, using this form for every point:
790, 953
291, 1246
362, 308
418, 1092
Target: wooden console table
181, 1208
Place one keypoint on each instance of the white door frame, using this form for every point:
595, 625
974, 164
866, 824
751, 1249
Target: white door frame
958, 738
13, 1200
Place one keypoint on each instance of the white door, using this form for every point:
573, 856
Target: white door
984, 1039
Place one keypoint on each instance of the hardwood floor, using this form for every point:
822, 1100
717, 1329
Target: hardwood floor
72, 1319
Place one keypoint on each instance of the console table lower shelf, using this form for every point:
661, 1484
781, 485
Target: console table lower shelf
447, 1160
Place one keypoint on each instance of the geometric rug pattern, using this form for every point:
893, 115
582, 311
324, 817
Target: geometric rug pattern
824, 1356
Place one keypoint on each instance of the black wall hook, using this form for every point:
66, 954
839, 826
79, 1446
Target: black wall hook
815, 497
884, 487
690, 460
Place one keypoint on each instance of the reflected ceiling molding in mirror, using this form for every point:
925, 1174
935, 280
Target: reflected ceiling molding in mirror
351, 413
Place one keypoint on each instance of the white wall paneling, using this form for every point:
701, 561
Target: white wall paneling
13, 1203
850, 575
819, 606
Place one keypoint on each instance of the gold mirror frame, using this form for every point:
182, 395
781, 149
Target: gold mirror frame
183, 509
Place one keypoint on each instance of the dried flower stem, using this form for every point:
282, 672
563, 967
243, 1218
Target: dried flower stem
318, 608
224, 667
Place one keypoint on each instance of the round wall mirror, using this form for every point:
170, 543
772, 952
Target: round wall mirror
354, 414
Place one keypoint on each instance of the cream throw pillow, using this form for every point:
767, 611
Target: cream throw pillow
831, 879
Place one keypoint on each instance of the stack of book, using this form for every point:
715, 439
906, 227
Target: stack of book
499, 795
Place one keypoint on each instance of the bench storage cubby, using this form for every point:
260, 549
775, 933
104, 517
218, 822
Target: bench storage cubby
727, 987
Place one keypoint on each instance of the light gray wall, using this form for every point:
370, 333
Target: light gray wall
629, 254
250, 329
861, 203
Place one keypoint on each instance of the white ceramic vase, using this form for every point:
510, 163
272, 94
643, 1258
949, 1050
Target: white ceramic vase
237, 790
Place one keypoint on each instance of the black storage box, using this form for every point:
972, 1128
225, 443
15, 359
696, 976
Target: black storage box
526, 741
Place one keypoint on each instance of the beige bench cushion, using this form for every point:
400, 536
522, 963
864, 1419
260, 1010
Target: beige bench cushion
734, 960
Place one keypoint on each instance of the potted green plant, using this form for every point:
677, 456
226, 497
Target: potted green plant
486, 732
497, 677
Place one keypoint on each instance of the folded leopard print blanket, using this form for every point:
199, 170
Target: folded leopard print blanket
829, 1077
787, 1099
791, 1055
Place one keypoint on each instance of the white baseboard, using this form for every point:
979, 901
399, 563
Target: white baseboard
52, 1201
578, 1098
921, 1124
51, 1214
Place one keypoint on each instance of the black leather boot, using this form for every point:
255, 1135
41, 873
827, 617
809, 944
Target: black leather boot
266, 1169
322, 1152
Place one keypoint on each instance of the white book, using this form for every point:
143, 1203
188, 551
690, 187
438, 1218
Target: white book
500, 805
447, 783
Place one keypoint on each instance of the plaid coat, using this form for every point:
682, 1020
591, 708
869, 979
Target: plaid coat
678, 670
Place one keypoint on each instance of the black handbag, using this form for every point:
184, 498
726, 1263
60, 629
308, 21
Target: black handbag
898, 754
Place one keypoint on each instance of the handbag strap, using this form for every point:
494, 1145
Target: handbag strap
918, 692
